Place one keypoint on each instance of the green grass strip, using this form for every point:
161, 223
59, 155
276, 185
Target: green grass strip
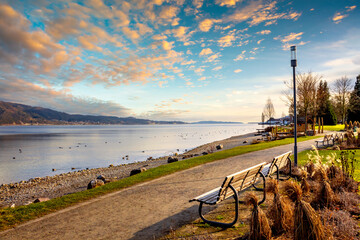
338, 127
10, 217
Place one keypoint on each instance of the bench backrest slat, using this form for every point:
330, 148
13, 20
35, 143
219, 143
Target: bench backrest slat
280, 161
239, 181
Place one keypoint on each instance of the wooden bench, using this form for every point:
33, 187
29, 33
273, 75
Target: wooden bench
231, 187
277, 164
339, 138
326, 139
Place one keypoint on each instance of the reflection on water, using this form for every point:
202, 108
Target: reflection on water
33, 151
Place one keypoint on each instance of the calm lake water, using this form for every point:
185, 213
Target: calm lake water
33, 151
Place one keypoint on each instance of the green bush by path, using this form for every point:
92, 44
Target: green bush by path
9, 217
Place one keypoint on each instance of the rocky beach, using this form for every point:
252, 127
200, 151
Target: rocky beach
25, 192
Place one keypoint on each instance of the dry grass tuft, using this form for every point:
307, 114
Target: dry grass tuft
272, 186
310, 168
306, 221
326, 197
320, 174
280, 210
259, 225
293, 191
340, 223
349, 201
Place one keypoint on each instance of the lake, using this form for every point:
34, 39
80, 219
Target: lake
33, 151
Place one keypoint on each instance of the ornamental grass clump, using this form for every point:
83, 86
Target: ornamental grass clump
326, 196
307, 223
259, 224
280, 211
305, 186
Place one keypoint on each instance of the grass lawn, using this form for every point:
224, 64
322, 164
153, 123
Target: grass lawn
338, 127
9, 217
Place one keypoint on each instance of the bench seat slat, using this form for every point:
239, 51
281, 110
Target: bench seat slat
209, 193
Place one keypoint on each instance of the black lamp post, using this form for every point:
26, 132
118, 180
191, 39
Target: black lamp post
294, 64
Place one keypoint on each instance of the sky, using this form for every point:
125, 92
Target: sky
171, 59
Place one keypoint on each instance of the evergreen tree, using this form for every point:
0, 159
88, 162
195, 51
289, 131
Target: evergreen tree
322, 96
324, 105
329, 116
354, 108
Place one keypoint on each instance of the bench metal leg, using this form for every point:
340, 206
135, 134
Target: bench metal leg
262, 189
220, 224
278, 173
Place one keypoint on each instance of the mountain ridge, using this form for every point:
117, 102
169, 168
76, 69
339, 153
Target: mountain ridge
21, 114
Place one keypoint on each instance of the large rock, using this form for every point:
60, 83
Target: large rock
138, 170
103, 178
42, 199
172, 159
95, 183
220, 146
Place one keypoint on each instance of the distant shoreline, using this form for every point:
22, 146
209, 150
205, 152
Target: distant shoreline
118, 124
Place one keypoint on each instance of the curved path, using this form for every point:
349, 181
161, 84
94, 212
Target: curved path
143, 211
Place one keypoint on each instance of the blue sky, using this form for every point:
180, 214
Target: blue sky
171, 60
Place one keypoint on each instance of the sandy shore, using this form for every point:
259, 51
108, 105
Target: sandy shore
26, 192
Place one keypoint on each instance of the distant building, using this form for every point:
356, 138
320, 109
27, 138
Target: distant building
278, 121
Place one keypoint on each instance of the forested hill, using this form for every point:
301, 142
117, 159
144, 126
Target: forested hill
13, 113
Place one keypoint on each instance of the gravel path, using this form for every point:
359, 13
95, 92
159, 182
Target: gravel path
144, 211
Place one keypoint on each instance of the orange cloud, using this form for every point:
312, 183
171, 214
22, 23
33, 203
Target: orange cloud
228, 3
226, 41
60, 28
131, 34
89, 42
197, 3
205, 25
167, 45
181, 33
290, 37
159, 37
264, 32
257, 12
205, 51
168, 13
213, 57
22, 46
143, 29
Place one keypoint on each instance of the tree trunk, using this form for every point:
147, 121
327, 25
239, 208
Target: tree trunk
305, 123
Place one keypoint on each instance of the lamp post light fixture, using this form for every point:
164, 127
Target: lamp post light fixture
293, 65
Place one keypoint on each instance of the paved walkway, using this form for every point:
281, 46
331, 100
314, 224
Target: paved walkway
144, 211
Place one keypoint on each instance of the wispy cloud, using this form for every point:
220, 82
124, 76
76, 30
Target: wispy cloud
339, 16
290, 37
256, 12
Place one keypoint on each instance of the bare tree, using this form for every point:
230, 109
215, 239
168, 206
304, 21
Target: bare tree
269, 111
342, 89
306, 85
